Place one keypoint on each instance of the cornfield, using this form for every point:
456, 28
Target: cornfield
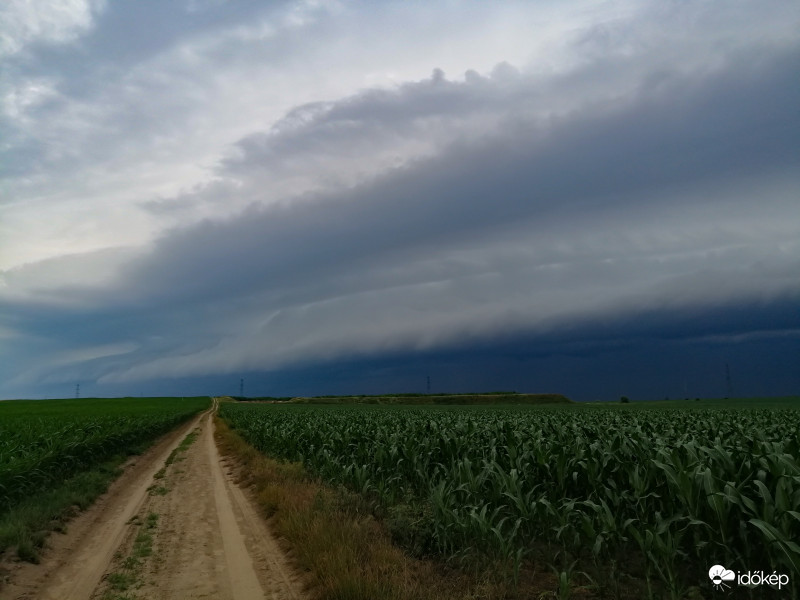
44, 442
659, 494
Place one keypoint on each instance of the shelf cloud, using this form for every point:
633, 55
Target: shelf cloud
243, 195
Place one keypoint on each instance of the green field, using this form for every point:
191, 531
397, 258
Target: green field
649, 495
490, 398
56, 453
792, 402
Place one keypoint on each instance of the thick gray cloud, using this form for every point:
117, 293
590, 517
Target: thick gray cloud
640, 179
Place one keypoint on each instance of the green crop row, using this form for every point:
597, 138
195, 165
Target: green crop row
42, 443
660, 494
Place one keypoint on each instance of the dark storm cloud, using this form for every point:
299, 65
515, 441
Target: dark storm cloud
585, 363
321, 125
581, 169
663, 216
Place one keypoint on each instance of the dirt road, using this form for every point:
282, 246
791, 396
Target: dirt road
174, 526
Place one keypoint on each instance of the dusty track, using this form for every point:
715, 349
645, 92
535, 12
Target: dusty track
204, 538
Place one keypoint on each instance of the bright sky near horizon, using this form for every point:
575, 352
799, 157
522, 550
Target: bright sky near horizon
207, 187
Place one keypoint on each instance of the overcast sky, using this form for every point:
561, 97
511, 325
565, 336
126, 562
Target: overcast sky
588, 197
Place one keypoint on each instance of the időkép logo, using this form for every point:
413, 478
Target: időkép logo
722, 578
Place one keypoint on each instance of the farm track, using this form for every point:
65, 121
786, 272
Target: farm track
207, 540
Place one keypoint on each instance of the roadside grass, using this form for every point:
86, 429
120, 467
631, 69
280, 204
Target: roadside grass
122, 583
347, 554
128, 576
182, 447
25, 526
160, 490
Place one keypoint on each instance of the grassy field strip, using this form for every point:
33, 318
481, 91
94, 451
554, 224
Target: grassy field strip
127, 575
120, 581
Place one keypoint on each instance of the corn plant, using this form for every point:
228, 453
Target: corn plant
678, 489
